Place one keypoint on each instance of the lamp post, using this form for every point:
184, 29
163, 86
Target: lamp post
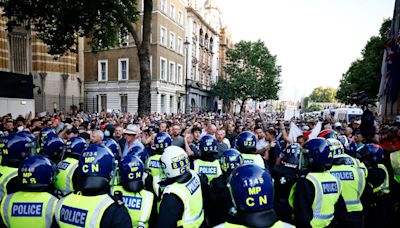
186, 43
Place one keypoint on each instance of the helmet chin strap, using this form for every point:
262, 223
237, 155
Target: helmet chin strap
233, 210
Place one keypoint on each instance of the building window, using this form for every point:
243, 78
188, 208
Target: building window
103, 102
163, 68
123, 69
171, 104
179, 72
124, 103
179, 46
164, 6
163, 36
172, 11
180, 17
162, 103
123, 37
194, 27
151, 65
171, 71
172, 40
19, 53
102, 70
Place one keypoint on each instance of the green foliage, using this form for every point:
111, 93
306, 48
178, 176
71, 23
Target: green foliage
321, 94
59, 22
313, 107
253, 73
364, 74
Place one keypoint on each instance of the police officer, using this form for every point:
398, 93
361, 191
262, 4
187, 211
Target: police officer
316, 193
219, 193
141, 203
67, 176
328, 134
246, 145
352, 181
114, 147
33, 205
208, 163
53, 148
376, 193
182, 201
161, 141
15, 149
350, 155
43, 134
252, 194
92, 206
285, 175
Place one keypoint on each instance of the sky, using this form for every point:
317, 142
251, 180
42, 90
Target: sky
315, 41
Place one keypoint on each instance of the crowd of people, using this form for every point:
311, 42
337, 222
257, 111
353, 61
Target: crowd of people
198, 170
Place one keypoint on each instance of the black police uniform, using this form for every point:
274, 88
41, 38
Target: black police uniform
284, 179
220, 202
375, 205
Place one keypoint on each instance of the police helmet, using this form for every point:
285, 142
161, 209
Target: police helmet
113, 146
131, 169
337, 148
15, 149
352, 149
162, 141
246, 142
27, 134
75, 146
53, 148
316, 155
138, 151
291, 155
371, 154
251, 190
43, 133
36, 172
328, 134
174, 162
208, 144
96, 167
229, 160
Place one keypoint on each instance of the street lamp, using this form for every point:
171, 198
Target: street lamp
186, 43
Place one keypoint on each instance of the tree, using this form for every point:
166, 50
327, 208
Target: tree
253, 74
364, 74
321, 94
59, 22
313, 107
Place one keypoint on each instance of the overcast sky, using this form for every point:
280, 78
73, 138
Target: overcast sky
315, 40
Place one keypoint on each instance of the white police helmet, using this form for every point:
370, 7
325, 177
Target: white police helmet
174, 162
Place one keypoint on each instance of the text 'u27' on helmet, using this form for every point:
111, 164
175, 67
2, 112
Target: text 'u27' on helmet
162, 141
246, 142
230, 160
208, 144
337, 147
